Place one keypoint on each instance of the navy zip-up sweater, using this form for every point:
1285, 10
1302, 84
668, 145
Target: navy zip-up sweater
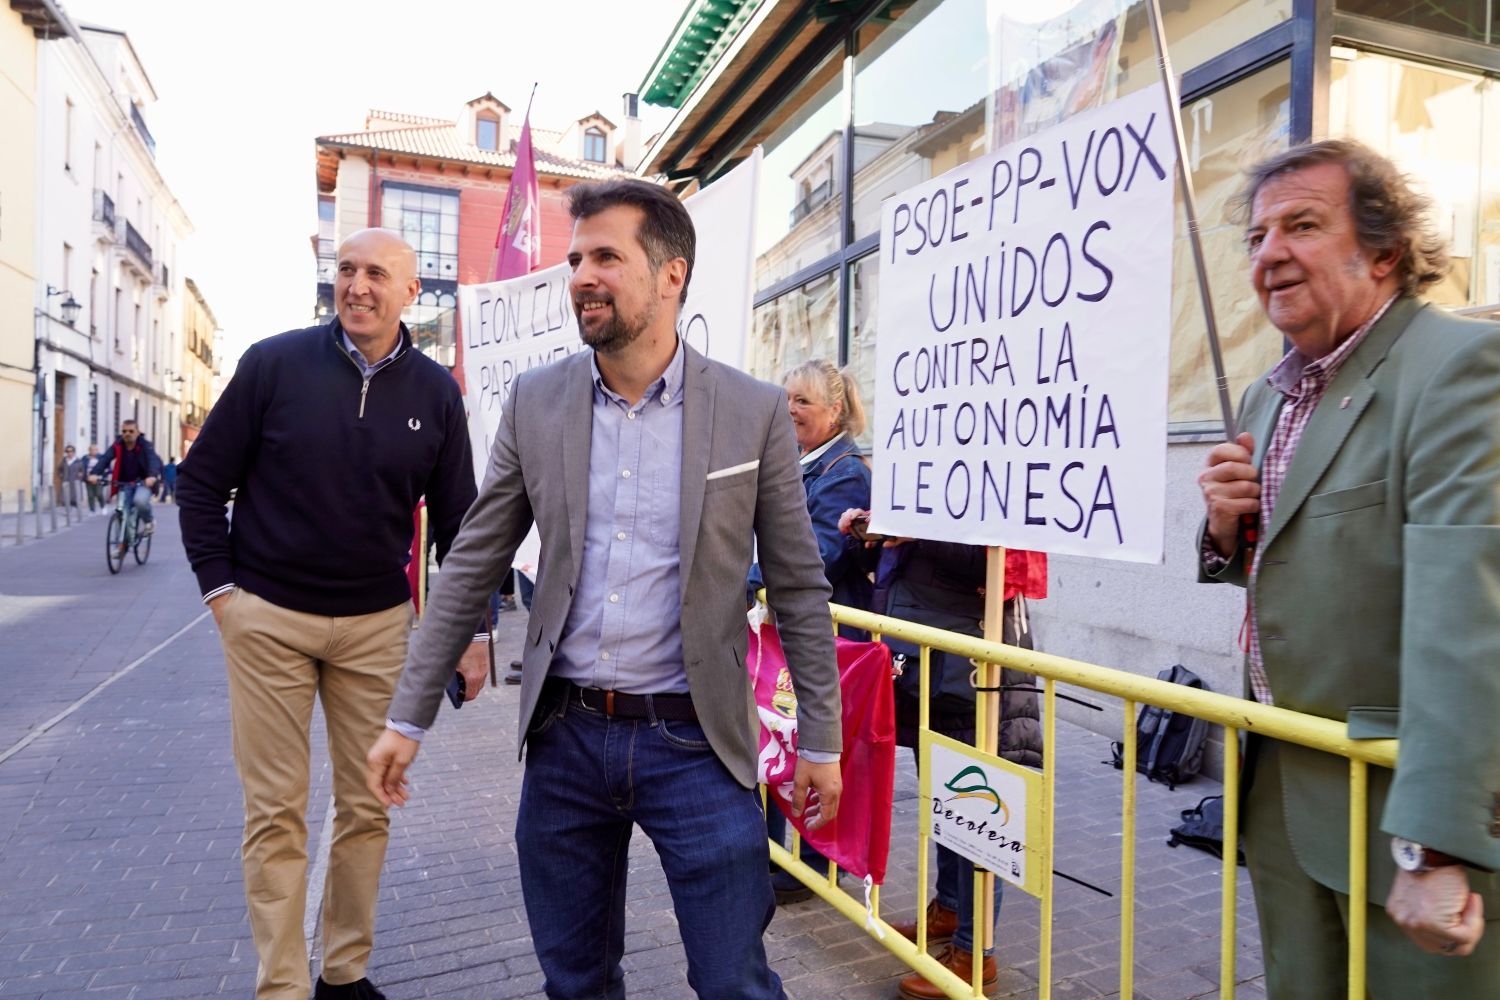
329, 471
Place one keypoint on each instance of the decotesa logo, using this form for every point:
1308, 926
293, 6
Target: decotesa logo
973, 783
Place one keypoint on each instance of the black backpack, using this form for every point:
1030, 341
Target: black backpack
1168, 745
1203, 827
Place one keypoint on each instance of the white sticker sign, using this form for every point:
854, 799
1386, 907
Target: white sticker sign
980, 810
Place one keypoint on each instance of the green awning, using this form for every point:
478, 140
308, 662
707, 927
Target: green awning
705, 30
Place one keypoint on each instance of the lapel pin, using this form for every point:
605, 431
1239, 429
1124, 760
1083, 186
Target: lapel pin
1344, 403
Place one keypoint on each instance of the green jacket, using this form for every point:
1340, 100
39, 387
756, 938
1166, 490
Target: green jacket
1378, 596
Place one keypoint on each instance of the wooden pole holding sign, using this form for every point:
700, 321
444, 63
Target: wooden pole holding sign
987, 710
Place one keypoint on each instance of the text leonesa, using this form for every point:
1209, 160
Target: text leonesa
1020, 269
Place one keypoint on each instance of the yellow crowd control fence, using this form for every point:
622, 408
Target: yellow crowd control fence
1236, 715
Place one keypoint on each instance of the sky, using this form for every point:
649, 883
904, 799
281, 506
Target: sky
244, 89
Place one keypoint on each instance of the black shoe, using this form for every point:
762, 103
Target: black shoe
787, 889
360, 989
513, 675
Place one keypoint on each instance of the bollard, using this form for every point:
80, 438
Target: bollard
52, 512
36, 508
20, 513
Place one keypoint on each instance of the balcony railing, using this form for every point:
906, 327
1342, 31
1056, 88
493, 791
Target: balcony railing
136, 244
160, 276
140, 126
104, 210
815, 199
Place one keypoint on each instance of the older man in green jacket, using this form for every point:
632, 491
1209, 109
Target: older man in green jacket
1371, 456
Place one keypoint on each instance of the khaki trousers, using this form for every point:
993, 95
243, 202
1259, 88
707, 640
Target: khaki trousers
277, 661
1304, 926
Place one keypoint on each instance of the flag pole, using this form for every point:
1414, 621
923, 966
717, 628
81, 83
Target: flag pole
1190, 209
500, 230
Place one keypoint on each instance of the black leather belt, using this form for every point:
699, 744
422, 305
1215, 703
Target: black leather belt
619, 705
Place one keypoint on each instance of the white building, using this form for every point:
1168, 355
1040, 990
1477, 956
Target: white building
107, 238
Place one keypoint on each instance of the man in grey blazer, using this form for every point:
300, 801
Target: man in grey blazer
1371, 455
646, 468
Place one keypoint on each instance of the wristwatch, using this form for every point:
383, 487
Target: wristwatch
1413, 857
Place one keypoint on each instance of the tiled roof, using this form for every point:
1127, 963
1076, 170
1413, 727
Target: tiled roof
440, 139
403, 119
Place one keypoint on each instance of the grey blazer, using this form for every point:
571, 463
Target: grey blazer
538, 470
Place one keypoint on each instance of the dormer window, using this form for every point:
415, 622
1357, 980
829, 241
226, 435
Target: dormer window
594, 146
487, 132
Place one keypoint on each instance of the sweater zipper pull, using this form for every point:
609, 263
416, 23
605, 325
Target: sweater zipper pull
363, 389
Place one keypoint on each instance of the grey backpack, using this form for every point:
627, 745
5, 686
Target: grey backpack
1168, 744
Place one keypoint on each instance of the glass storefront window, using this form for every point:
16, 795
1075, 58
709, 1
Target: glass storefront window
932, 76
433, 321
427, 218
864, 304
1224, 133
920, 81
1440, 126
802, 324
801, 181
1476, 20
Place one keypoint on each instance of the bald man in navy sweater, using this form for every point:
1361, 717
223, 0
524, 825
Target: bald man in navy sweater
330, 435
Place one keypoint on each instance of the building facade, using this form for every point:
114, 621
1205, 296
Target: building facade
108, 241
200, 333
854, 101
25, 28
442, 183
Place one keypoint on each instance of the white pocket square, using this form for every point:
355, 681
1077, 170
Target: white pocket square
733, 470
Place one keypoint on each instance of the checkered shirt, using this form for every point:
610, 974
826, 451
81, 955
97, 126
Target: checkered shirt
1302, 384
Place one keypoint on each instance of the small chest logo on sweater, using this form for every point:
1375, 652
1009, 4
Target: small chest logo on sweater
414, 423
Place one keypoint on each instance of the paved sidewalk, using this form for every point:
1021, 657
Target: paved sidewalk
120, 828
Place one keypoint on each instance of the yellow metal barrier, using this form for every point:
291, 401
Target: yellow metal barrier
1236, 715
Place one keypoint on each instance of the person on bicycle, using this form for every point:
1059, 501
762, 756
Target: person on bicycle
133, 461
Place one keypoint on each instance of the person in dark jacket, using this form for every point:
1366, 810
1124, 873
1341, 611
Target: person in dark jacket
131, 459
942, 584
827, 416
95, 490
169, 480
308, 586
70, 475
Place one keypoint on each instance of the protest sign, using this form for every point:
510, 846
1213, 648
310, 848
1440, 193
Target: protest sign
1025, 317
512, 326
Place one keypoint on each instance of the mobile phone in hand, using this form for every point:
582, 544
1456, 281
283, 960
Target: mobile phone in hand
456, 690
859, 528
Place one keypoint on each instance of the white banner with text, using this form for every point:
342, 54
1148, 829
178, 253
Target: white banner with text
1025, 318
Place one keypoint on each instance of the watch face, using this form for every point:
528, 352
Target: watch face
1408, 854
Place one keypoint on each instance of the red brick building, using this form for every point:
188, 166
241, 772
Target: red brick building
441, 183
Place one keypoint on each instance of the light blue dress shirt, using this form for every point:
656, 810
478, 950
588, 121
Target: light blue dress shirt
624, 630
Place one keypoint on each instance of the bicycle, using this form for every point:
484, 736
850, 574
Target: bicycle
123, 533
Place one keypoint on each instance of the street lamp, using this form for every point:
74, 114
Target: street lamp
70, 306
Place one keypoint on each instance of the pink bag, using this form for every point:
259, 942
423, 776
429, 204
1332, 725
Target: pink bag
860, 838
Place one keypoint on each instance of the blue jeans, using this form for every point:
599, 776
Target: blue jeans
142, 502
589, 779
955, 890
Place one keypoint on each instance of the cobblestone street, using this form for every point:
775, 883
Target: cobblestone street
120, 827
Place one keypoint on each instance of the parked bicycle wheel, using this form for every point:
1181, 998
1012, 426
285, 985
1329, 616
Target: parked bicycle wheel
114, 546
142, 547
